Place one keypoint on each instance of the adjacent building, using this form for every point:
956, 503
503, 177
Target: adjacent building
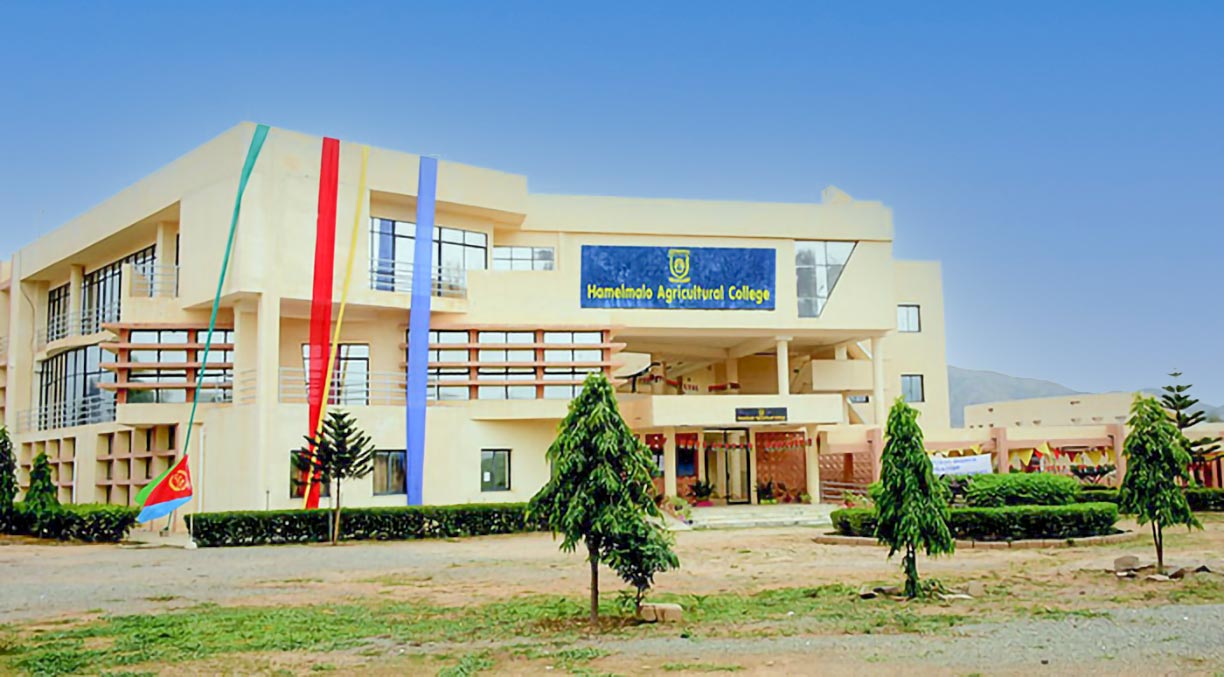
751, 343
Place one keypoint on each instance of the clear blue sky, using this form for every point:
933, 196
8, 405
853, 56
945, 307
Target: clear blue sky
1063, 160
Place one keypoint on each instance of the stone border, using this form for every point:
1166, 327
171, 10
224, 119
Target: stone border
838, 539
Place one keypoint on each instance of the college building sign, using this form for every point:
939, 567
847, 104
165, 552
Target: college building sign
706, 278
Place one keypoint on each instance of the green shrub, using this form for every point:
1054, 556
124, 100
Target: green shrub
1205, 500
1100, 495
90, 523
274, 527
1003, 524
996, 491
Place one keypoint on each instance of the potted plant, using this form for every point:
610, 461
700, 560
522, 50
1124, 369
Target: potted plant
701, 493
765, 493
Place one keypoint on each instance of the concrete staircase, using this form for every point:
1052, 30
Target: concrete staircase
748, 516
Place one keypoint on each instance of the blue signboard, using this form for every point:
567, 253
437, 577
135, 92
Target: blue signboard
709, 278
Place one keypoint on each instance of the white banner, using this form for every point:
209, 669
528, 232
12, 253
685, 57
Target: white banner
963, 465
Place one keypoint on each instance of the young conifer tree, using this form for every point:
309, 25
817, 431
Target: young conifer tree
912, 505
601, 492
1155, 468
1177, 400
8, 481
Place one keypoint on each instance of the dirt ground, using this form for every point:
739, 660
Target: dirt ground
1054, 602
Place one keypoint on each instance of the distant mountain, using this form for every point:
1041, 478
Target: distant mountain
975, 386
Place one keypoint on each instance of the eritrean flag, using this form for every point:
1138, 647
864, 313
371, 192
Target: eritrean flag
166, 493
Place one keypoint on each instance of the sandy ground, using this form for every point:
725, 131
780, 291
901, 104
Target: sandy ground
43, 582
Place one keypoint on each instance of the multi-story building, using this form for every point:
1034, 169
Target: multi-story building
745, 339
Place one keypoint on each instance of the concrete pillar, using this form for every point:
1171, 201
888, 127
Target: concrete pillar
732, 370
1117, 431
811, 462
1002, 451
166, 251
266, 347
76, 276
875, 442
700, 459
751, 459
878, 408
669, 462
840, 352
783, 365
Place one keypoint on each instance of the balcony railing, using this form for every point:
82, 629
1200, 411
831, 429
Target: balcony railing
354, 389
390, 275
98, 408
151, 280
88, 321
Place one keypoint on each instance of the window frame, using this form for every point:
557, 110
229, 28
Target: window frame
340, 394
821, 268
472, 246
512, 257
494, 452
386, 455
917, 317
921, 388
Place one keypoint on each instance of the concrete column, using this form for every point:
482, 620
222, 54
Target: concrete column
840, 352
875, 442
266, 348
1002, 451
783, 365
1117, 431
878, 408
811, 462
166, 254
751, 458
76, 276
701, 464
669, 462
732, 370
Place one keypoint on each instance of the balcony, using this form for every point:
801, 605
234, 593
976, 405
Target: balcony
729, 411
150, 280
396, 276
66, 324
373, 388
97, 408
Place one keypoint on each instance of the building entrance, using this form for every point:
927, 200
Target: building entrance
728, 460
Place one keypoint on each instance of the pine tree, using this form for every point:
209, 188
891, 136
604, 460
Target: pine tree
601, 492
41, 497
1156, 461
8, 481
1177, 400
911, 506
341, 452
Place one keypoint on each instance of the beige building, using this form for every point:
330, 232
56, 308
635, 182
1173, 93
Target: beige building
102, 329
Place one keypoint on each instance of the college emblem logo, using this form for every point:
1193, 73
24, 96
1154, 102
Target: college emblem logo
179, 481
678, 265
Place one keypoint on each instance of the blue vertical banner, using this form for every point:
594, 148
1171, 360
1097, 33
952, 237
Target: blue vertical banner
418, 330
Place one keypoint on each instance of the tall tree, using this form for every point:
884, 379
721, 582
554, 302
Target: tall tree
42, 496
601, 492
1156, 461
1177, 400
911, 506
342, 452
8, 480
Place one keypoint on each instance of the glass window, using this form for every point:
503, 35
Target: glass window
390, 472
909, 319
911, 388
297, 484
350, 376
456, 369
69, 392
57, 313
818, 267
860, 399
100, 288
495, 470
523, 258
392, 250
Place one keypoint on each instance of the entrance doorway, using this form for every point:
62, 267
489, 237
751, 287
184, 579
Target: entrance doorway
728, 463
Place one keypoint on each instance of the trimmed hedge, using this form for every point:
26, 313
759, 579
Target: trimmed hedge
996, 491
1105, 495
1011, 523
1200, 499
91, 523
275, 527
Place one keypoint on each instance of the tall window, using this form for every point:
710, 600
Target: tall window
69, 392
219, 368
390, 472
451, 366
523, 258
818, 267
170, 365
500, 361
909, 319
350, 376
100, 297
392, 251
57, 313
581, 355
911, 388
495, 470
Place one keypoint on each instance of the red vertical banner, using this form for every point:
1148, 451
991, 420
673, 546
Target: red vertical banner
321, 296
